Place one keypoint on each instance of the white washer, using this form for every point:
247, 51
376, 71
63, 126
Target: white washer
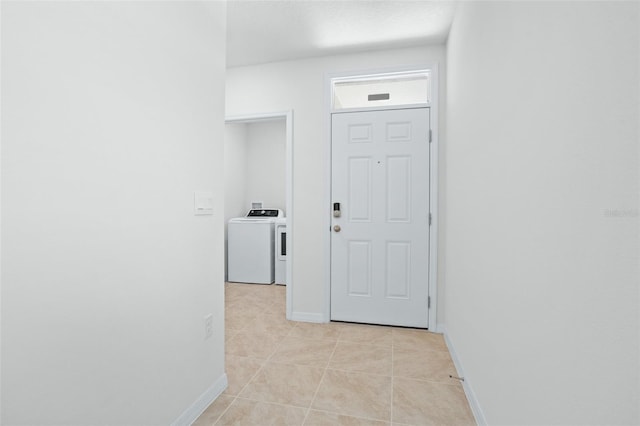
280, 247
250, 251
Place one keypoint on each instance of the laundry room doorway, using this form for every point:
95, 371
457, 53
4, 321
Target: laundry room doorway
258, 174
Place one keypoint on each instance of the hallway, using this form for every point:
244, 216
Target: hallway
283, 372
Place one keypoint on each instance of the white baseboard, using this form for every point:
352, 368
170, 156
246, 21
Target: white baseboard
466, 384
308, 317
193, 412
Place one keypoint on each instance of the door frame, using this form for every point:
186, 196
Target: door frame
288, 117
433, 106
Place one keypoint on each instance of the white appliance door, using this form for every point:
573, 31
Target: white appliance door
250, 252
281, 242
380, 252
281, 254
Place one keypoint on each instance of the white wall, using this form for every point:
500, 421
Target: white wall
542, 279
266, 165
235, 177
300, 86
254, 165
235, 170
112, 116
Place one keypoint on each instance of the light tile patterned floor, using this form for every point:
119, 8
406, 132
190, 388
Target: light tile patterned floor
290, 373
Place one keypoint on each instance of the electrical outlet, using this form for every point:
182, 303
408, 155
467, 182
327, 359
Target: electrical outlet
208, 326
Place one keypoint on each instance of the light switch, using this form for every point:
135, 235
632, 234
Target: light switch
202, 203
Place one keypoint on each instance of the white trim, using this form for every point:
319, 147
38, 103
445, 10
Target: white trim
326, 222
308, 317
389, 74
478, 414
288, 116
441, 329
434, 108
379, 76
382, 108
289, 203
199, 405
253, 118
433, 196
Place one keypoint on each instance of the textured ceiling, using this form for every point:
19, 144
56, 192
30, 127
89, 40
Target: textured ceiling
260, 31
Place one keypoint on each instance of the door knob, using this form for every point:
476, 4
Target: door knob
337, 228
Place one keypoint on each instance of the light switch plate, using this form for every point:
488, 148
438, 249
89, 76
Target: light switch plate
202, 203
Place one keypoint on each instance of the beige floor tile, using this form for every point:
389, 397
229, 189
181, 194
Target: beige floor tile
259, 291
256, 305
277, 307
276, 293
251, 295
408, 338
233, 290
239, 371
330, 331
214, 411
252, 413
294, 350
423, 365
256, 345
284, 384
324, 418
237, 319
232, 304
367, 334
228, 334
365, 358
232, 296
295, 376
355, 394
427, 403
271, 323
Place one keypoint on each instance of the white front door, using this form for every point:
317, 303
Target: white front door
380, 241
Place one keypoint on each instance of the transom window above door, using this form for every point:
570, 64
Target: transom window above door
374, 91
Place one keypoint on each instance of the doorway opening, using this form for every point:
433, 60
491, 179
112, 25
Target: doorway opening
258, 174
382, 178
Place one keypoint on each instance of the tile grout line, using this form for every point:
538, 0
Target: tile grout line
357, 372
392, 380
320, 382
235, 398
280, 404
225, 410
269, 309
225, 359
370, 419
315, 394
339, 339
266, 359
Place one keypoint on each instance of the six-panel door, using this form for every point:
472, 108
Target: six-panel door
380, 252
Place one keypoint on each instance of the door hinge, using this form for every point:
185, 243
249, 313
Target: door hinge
428, 301
430, 136
429, 219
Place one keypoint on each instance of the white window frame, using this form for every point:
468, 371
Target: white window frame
379, 76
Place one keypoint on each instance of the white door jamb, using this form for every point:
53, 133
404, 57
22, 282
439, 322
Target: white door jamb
288, 116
